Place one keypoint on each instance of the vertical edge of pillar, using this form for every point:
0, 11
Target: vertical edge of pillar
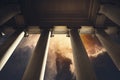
36, 67
111, 11
111, 47
84, 69
10, 47
45, 58
7, 12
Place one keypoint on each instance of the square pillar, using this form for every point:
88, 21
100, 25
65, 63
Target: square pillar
112, 48
111, 11
36, 66
8, 47
83, 67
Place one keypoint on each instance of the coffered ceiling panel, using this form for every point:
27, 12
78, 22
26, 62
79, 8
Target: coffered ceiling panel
59, 12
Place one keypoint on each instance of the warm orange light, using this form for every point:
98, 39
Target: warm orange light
92, 45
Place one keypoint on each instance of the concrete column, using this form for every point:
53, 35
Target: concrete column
36, 67
112, 12
84, 69
8, 47
112, 48
7, 12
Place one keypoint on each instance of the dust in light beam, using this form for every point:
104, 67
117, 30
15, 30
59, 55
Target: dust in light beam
62, 44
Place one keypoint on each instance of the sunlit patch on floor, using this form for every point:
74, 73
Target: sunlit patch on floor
92, 45
60, 59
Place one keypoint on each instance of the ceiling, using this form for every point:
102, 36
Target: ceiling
59, 12
37, 14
